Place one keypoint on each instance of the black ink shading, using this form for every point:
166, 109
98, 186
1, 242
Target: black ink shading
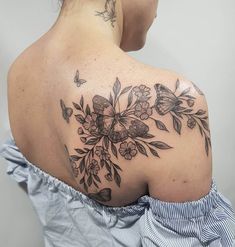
109, 14
77, 79
182, 106
107, 130
72, 161
103, 195
197, 89
66, 111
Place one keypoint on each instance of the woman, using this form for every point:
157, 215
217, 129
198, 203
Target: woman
114, 152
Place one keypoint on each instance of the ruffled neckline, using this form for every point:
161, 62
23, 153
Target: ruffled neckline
55, 184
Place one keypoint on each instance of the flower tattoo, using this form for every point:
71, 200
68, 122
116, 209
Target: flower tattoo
109, 132
128, 150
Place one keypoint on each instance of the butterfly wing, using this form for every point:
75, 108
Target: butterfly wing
105, 114
104, 124
118, 132
166, 100
102, 106
77, 80
80, 82
103, 195
134, 127
66, 111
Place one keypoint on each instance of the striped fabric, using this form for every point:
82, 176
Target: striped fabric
71, 219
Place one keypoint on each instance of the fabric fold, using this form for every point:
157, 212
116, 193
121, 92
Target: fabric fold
70, 218
17, 166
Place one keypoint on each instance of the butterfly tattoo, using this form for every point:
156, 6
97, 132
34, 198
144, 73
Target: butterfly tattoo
166, 100
117, 126
77, 79
109, 130
180, 107
66, 111
103, 195
109, 14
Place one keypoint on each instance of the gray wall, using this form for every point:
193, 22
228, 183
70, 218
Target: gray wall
194, 38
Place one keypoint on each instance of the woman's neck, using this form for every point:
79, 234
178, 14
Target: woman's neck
89, 23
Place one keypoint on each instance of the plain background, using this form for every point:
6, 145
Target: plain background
193, 38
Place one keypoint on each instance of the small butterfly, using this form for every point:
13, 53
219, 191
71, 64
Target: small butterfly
109, 13
103, 195
166, 100
77, 80
116, 126
66, 111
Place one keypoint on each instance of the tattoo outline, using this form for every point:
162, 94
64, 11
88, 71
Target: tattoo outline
109, 14
105, 126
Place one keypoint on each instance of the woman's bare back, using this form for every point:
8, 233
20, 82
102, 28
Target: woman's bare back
109, 126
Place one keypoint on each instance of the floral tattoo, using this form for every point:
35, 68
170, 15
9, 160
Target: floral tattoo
109, 14
182, 106
108, 131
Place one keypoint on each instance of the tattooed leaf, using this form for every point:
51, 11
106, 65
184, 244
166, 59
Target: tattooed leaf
148, 136
80, 118
209, 141
89, 180
179, 114
141, 148
185, 91
102, 163
82, 101
114, 150
125, 90
130, 98
160, 125
106, 142
108, 167
116, 87
205, 124
189, 96
206, 146
88, 110
154, 152
177, 84
197, 89
77, 106
80, 151
74, 157
117, 178
85, 187
82, 165
200, 112
179, 108
82, 181
116, 166
111, 99
96, 185
97, 178
92, 141
160, 145
177, 124
201, 131
188, 110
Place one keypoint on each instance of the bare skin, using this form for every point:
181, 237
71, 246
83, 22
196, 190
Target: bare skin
56, 80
